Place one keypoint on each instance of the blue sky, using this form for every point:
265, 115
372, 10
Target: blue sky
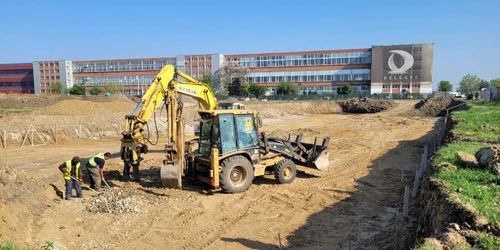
466, 34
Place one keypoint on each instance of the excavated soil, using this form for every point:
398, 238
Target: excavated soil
365, 105
436, 106
353, 204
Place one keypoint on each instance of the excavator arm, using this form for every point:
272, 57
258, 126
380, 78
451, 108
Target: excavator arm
165, 88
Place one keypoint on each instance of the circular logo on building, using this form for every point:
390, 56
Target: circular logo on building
407, 62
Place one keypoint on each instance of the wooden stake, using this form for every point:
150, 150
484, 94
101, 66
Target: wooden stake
279, 239
55, 132
102, 129
406, 200
402, 175
415, 184
4, 139
397, 228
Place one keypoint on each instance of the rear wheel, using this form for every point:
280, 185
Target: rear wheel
236, 175
285, 171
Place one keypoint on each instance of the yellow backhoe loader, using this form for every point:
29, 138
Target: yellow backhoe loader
228, 151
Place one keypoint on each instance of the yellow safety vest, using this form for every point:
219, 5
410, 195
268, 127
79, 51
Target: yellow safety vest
68, 168
91, 160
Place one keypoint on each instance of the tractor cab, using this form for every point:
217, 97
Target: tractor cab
230, 131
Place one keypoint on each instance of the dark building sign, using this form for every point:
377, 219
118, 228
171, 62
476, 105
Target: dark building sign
402, 63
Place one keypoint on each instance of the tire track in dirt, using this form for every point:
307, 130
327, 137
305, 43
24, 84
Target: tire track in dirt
211, 232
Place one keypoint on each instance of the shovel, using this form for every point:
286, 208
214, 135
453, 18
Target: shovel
84, 184
106, 183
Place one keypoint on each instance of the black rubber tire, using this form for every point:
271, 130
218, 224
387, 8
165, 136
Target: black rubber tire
285, 171
236, 174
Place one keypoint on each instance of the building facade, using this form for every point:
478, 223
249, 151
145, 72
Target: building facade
391, 69
17, 78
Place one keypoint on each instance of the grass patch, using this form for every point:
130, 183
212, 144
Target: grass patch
489, 241
13, 108
481, 121
479, 187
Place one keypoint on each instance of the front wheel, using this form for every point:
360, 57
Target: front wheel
236, 175
285, 171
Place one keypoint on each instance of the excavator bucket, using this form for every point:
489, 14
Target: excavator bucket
171, 176
321, 162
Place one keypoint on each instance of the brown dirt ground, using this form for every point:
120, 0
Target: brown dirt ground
354, 203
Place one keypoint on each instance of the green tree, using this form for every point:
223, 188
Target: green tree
95, 90
208, 80
495, 82
484, 84
257, 90
287, 88
77, 90
56, 87
345, 90
469, 84
444, 86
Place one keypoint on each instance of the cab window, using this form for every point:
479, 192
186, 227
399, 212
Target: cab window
247, 132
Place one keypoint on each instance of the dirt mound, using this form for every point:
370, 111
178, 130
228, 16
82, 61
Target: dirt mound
30, 101
436, 106
365, 105
113, 98
14, 182
78, 107
295, 108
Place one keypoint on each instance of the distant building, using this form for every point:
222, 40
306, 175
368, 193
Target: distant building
395, 69
17, 78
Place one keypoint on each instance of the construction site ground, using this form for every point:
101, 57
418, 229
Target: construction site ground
354, 204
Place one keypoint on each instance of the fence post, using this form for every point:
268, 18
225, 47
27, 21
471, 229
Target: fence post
4, 138
55, 132
406, 200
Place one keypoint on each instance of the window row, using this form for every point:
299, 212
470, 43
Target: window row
45, 64
121, 66
310, 56
49, 77
4, 84
199, 59
305, 60
119, 80
310, 76
403, 86
48, 71
16, 71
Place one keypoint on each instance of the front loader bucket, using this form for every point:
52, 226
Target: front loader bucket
321, 162
171, 176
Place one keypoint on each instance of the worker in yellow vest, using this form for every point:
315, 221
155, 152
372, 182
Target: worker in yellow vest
73, 176
95, 167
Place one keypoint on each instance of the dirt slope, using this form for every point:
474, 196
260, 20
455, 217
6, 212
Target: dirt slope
356, 199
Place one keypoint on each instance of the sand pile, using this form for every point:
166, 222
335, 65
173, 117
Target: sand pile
113, 98
365, 105
278, 110
436, 106
78, 107
30, 101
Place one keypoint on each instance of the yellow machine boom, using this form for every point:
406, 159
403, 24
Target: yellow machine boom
165, 88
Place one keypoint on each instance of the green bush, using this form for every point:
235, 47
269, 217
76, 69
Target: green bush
77, 90
95, 90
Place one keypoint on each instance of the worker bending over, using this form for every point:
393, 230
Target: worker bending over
73, 176
95, 167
